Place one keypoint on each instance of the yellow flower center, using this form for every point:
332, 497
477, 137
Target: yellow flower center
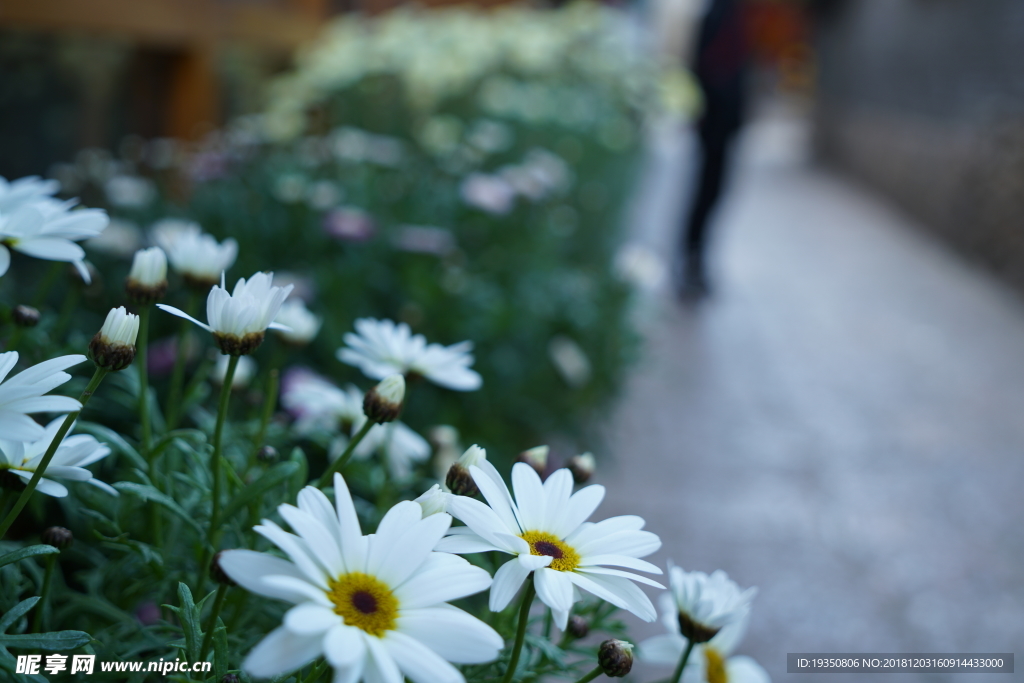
364, 601
542, 543
716, 666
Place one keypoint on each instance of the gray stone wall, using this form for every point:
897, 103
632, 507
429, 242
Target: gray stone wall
924, 100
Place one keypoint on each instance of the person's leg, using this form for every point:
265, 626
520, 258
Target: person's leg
713, 151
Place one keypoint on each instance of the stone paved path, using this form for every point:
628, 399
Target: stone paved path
842, 425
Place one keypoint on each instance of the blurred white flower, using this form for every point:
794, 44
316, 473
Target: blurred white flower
381, 347
27, 190
49, 231
374, 606
401, 447
121, 238
130, 192
545, 528
149, 267
349, 223
192, 253
570, 360
489, 193
424, 239
23, 394
323, 195
22, 458
239, 320
303, 324
290, 188
640, 266
318, 404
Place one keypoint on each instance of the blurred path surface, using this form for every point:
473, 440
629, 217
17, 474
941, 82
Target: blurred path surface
842, 425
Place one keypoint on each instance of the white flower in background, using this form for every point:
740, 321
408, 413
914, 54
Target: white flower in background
401, 446
706, 604
323, 195
303, 323
709, 661
193, 254
433, 501
121, 238
318, 404
16, 193
130, 192
489, 193
290, 188
239, 320
545, 527
641, 267
23, 394
381, 347
49, 231
244, 371
570, 360
22, 458
375, 606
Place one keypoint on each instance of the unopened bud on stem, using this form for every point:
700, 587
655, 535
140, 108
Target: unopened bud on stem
383, 402
113, 347
578, 627
615, 658
459, 480
59, 537
536, 457
147, 280
582, 467
25, 316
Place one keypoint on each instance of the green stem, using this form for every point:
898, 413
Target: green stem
50, 451
141, 348
594, 673
218, 432
218, 602
37, 618
677, 676
524, 618
343, 459
549, 619
178, 374
269, 403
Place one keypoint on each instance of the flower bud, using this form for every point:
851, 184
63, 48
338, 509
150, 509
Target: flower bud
267, 454
577, 627
59, 537
217, 572
147, 280
615, 658
433, 501
25, 316
113, 347
582, 467
459, 480
536, 457
383, 402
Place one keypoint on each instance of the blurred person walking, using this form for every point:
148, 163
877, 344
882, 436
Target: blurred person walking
720, 66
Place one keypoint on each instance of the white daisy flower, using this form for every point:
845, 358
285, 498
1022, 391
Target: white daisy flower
709, 662
193, 254
433, 500
705, 604
381, 347
21, 458
23, 394
240, 320
303, 323
47, 230
375, 606
545, 527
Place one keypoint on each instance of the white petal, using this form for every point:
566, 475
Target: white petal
461, 540
530, 499
345, 646
631, 543
618, 591
554, 589
482, 520
321, 542
418, 662
411, 549
353, 543
664, 649
309, 619
280, 652
182, 314
296, 549
507, 581
496, 494
589, 531
743, 669
557, 492
302, 587
441, 578
618, 572
248, 568
380, 667
619, 561
581, 505
455, 635
5, 260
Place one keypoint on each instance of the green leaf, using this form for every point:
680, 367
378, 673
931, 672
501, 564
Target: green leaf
254, 491
115, 441
27, 551
220, 650
152, 494
189, 616
55, 641
16, 613
301, 475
